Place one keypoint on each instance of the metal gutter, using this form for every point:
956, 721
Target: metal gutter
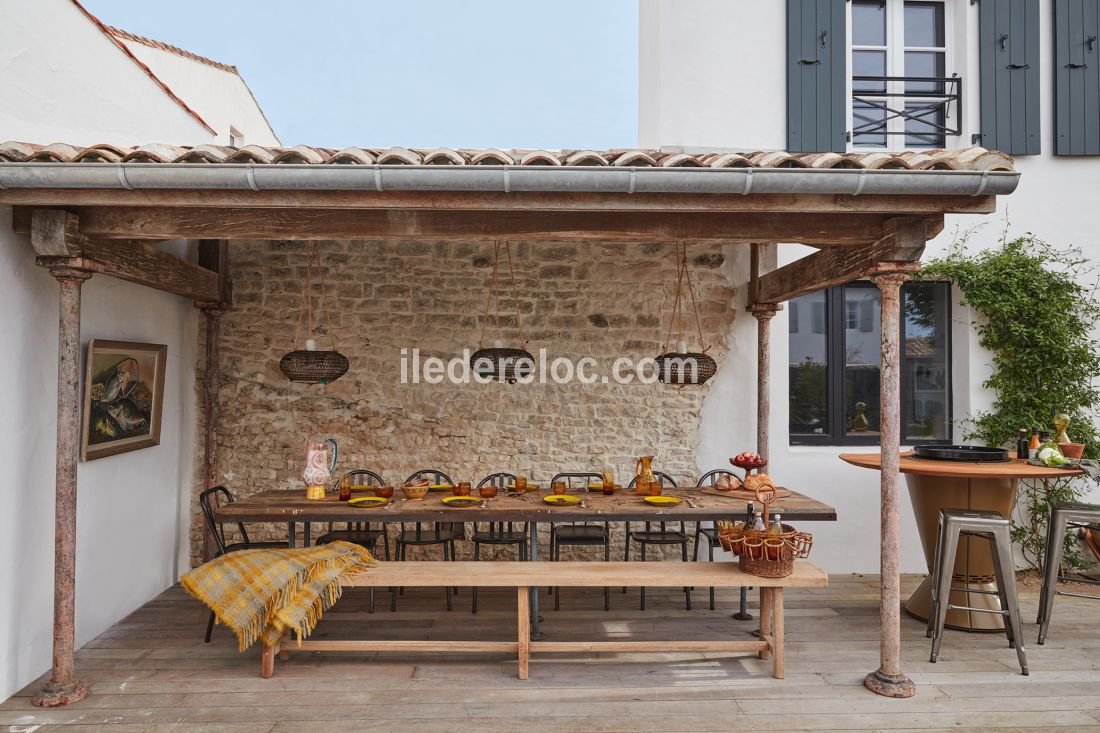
505, 179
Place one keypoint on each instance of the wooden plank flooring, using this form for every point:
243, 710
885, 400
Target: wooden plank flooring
152, 672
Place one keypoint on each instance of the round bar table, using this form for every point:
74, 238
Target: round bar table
960, 485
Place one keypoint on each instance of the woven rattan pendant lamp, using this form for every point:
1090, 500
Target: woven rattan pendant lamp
500, 362
680, 366
310, 365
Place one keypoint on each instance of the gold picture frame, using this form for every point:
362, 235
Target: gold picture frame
123, 397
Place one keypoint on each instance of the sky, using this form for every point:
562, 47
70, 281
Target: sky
418, 73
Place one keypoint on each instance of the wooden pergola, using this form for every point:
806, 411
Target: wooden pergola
101, 210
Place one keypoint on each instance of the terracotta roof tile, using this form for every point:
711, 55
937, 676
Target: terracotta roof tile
128, 36
966, 159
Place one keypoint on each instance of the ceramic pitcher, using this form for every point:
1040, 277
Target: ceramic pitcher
319, 466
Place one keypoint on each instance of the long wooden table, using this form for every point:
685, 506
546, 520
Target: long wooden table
291, 507
960, 485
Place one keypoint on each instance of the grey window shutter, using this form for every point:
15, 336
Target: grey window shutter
816, 81
1076, 77
1008, 37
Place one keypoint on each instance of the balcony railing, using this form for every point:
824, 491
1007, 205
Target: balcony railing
923, 104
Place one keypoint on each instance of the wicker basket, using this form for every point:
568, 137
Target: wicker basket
769, 556
313, 367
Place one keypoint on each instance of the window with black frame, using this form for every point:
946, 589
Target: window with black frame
834, 365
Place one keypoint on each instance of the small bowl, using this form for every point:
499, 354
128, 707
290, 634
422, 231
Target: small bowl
415, 493
1072, 450
488, 491
384, 491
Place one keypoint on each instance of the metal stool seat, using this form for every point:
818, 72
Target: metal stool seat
993, 527
1062, 516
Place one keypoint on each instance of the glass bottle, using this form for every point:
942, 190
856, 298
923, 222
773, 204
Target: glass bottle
1033, 446
774, 530
1022, 443
758, 523
749, 514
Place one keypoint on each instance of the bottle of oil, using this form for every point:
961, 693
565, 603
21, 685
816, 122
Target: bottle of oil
1022, 443
774, 531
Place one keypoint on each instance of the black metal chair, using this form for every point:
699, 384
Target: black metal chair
440, 533
498, 533
710, 533
581, 534
661, 536
360, 533
210, 500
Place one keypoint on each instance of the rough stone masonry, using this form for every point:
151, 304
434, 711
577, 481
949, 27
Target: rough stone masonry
575, 299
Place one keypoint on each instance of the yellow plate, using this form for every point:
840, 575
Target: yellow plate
369, 501
561, 499
462, 500
530, 486
662, 500
440, 487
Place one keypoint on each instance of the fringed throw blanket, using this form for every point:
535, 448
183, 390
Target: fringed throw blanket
264, 593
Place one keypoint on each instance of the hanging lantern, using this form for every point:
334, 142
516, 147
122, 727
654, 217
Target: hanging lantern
679, 366
310, 365
500, 362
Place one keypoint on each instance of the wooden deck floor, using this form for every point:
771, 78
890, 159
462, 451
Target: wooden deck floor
152, 672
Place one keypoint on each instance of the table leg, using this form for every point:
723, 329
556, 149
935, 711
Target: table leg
523, 622
765, 617
305, 534
533, 556
267, 661
291, 528
777, 632
743, 606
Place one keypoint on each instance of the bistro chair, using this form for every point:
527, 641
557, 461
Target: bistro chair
498, 533
1062, 516
209, 501
440, 533
579, 534
360, 533
709, 478
660, 536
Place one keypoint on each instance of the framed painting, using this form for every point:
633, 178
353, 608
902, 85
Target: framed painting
123, 397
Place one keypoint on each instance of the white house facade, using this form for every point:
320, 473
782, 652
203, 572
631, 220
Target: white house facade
65, 76
1022, 76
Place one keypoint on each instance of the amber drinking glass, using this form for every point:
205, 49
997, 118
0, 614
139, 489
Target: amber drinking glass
521, 484
609, 481
463, 489
558, 488
345, 488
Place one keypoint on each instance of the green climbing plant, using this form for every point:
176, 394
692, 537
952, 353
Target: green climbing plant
1037, 322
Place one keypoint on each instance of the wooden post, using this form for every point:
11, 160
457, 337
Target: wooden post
888, 680
63, 687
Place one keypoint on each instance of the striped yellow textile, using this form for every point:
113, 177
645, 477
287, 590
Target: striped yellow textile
264, 593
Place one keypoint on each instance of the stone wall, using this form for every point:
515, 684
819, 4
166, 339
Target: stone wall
575, 299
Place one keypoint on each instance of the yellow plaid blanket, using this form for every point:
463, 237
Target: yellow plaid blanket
263, 593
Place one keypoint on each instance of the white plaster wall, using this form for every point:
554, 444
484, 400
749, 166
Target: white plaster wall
220, 97
712, 74
63, 80
129, 518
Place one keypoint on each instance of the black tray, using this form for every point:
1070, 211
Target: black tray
961, 453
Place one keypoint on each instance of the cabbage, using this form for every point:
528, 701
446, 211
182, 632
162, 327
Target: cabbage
1050, 455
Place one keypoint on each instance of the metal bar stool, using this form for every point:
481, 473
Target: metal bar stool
498, 533
579, 534
661, 536
1062, 516
994, 528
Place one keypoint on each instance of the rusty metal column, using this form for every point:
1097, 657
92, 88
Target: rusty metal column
211, 381
763, 312
888, 680
63, 687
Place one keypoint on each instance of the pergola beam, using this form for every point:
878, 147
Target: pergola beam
58, 233
902, 241
643, 226
895, 204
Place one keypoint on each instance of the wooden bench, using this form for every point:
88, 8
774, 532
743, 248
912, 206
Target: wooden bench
524, 575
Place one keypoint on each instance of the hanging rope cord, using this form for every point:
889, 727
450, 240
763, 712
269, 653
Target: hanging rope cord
312, 254
492, 298
676, 322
